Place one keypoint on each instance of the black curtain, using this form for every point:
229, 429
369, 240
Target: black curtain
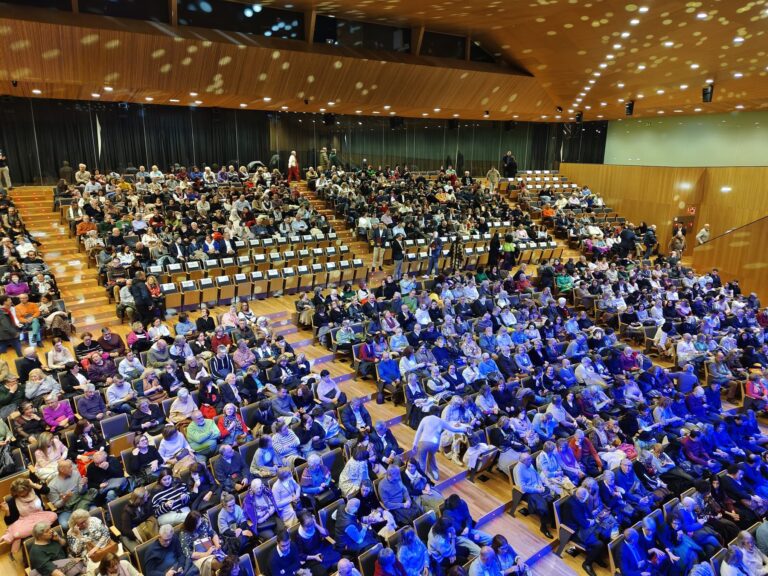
38, 135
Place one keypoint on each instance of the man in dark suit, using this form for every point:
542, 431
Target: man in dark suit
633, 557
397, 256
355, 419
506, 363
579, 517
385, 443
509, 165
738, 491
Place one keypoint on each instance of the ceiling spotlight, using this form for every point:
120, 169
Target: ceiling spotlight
283, 107
425, 113
358, 111
592, 81
603, 65
740, 106
643, 9
267, 99
709, 81
36, 91
669, 43
738, 40
617, 46
193, 94
596, 74
697, 109
737, 74
174, 100
331, 103
95, 95
387, 107
620, 84
322, 109
486, 114
634, 22
108, 88
437, 109
702, 15
559, 109
641, 66
683, 86
603, 103
625, 34
149, 98
243, 105
609, 56
455, 115
392, 113
694, 66
198, 102
659, 91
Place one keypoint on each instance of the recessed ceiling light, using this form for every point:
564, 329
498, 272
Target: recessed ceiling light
587, 107
603, 65
641, 95
149, 98
570, 110
95, 95
634, 22
198, 102
387, 107
669, 43
678, 110
621, 100
582, 94
515, 116
702, 15
544, 116
558, 117
108, 88
660, 91
437, 109
578, 99
283, 107
376, 112
683, 86
174, 100
267, 99
392, 113
587, 88
597, 74
709, 81
641, 66
455, 115
322, 109
738, 40
726, 189
694, 66
592, 81
36, 91
425, 113
740, 106
331, 103
193, 94
660, 112
603, 103
617, 46
243, 105
643, 9
625, 34
737, 74
697, 109
620, 84
609, 56
599, 115
358, 111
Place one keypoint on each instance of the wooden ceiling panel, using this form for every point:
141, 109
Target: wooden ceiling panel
658, 53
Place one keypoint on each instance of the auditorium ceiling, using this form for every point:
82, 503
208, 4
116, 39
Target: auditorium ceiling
593, 56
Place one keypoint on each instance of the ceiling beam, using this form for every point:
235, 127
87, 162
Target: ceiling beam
310, 18
417, 37
173, 12
75, 6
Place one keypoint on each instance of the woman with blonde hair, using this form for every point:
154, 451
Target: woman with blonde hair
88, 538
23, 510
48, 452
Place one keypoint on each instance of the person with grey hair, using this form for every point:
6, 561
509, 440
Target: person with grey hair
164, 557
705, 536
88, 537
733, 563
486, 564
48, 553
92, 406
634, 556
755, 561
68, 492
578, 515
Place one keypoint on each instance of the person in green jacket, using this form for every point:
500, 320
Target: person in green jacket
203, 435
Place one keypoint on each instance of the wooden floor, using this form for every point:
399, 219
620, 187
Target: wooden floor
488, 500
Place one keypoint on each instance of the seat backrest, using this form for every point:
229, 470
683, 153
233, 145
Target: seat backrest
246, 565
367, 560
326, 516
423, 524
261, 555
114, 426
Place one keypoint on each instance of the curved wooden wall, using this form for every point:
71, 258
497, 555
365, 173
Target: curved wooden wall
739, 254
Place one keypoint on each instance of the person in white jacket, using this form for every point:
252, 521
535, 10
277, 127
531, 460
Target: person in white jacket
293, 167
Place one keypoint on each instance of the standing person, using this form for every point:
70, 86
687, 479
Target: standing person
703, 235
427, 441
457, 255
397, 256
379, 237
509, 165
9, 327
493, 176
5, 173
142, 298
435, 251
293, 167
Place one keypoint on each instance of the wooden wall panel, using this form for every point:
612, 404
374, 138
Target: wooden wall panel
739, 254
655, 195
733, 197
